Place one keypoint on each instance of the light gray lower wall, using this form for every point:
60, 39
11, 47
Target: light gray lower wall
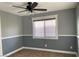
11, 44
63, 43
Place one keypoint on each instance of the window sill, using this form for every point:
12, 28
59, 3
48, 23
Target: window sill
46, 38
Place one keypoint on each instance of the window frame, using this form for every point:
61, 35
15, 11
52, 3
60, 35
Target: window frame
46, 17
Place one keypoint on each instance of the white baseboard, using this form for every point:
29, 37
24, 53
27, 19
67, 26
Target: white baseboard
41, 49
13, 52
51, 50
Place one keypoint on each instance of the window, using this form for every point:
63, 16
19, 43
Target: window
45, 28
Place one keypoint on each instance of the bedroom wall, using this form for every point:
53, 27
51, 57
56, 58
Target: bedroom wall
66, 29
13, 25
11, 28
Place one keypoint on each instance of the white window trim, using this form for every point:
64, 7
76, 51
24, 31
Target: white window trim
44, 17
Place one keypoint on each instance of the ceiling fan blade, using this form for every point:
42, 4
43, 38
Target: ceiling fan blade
40, 9
19, 7
22, 11
34, 5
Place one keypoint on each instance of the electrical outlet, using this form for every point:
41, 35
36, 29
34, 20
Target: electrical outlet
45, 45
71, 47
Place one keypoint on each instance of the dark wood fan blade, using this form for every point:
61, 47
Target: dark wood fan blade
22, 11
34, 5
19, 7
40, 9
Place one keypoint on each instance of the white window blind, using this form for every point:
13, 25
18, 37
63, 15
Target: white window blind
38, 30
45, 28
50, 28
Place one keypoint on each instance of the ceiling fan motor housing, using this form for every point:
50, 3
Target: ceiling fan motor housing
29, 7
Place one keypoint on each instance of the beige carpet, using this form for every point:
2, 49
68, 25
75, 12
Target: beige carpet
36, 53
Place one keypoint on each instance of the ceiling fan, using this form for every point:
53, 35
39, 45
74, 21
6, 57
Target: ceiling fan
30, 7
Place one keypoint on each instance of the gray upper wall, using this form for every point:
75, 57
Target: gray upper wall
11, 25
77, 14
66, 21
